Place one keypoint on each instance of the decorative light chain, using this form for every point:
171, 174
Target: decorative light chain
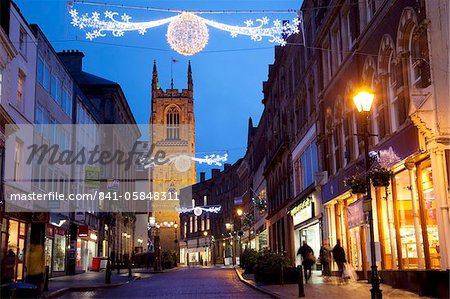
187, 32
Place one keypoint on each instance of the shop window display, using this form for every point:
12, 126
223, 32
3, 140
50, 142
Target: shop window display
48, 252
426, 180
60, 253
407, 231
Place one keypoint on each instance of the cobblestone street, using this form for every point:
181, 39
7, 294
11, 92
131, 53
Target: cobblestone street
183, 283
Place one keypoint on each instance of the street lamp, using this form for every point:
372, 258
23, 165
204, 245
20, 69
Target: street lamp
363, 101
240, 212
175, 225
205, 234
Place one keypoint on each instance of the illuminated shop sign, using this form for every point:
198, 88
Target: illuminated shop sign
303, 211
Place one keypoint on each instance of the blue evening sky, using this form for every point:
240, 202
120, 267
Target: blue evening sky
228, 74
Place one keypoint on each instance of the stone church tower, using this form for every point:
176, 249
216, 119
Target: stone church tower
172, 130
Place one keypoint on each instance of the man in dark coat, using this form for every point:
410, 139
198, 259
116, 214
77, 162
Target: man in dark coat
339, 256
325, 258
308, 259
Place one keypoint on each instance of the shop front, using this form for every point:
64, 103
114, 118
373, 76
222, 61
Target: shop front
405, 220
56, 250
86, 248
307, 225
13, 248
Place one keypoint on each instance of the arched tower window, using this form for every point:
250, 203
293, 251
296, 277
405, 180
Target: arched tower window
173, 123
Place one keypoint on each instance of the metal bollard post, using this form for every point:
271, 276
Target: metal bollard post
108, 273
47, 274
129, 269
282, 275
301, 288
118, 268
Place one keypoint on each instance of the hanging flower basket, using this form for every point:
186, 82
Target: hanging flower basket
381, 177
260, 204
357, 184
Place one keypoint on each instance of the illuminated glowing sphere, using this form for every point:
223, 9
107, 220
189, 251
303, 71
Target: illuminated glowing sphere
187, 34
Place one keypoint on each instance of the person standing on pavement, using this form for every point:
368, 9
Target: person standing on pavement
339, 257
308, 259
325, 258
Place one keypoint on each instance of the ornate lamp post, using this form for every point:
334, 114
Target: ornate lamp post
363, 101
176, 239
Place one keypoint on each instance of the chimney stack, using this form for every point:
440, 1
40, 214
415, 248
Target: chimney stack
72, 59
202, 176
215, 172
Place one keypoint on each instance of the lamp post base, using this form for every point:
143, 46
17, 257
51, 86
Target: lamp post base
375, 291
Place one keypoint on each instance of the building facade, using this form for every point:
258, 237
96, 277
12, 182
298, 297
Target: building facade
53, 119
212, 237
384, 46
18, 101
104, 103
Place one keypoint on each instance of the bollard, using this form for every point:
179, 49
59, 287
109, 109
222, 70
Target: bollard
47, 274
108, 273
118, 268
129, 269
301, 288
282, 275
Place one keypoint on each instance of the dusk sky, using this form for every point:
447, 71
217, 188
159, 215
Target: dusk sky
228, 73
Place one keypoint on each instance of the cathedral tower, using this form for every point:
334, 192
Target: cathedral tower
172, 130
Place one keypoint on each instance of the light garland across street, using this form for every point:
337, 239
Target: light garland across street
187, 32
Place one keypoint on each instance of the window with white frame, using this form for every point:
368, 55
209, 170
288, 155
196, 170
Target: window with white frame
195, 224
20, 91
185, 229
205, 200
18, 160
23, 40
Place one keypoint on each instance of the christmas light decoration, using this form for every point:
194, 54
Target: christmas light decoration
183, 162
199, 210
187, 32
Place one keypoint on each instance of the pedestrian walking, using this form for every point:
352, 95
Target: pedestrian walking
8, 267
308, 259
325, 258
339, 257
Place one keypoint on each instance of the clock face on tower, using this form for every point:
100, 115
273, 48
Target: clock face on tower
172, 190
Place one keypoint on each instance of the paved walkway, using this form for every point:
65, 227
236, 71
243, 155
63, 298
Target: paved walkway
331, 288
194, 282
90, 280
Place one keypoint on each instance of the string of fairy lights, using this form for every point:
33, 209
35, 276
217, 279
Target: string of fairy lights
187, 31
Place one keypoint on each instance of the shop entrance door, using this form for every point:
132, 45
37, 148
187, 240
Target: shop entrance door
357, 250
